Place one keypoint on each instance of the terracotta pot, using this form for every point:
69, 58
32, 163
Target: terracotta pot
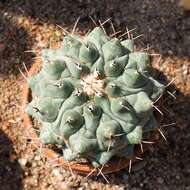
114, 165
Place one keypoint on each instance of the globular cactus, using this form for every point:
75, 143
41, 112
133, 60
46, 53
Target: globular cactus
94, 96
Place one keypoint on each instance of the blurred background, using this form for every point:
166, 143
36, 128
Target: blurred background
32, 25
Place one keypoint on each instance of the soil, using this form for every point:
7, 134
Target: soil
32, 25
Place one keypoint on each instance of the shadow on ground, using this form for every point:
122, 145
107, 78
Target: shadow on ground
165, 26
10, 170
14, 41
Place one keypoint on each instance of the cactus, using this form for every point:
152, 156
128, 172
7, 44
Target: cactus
94, 96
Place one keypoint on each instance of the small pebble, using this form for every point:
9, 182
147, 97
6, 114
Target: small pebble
160, 180
22, 161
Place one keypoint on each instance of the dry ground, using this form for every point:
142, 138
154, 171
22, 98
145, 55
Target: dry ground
26, 25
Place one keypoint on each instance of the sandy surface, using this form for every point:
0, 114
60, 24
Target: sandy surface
26, 25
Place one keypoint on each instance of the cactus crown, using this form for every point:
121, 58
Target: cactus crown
94, 97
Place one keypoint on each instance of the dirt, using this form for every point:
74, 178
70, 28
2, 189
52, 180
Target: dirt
32, 25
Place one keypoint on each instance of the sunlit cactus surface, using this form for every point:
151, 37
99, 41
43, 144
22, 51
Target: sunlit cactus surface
95, 97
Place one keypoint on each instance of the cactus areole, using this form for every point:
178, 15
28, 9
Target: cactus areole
94, 97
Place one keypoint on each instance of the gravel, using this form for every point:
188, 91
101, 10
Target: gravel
26, 25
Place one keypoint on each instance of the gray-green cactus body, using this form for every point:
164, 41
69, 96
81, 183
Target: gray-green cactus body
94, 96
